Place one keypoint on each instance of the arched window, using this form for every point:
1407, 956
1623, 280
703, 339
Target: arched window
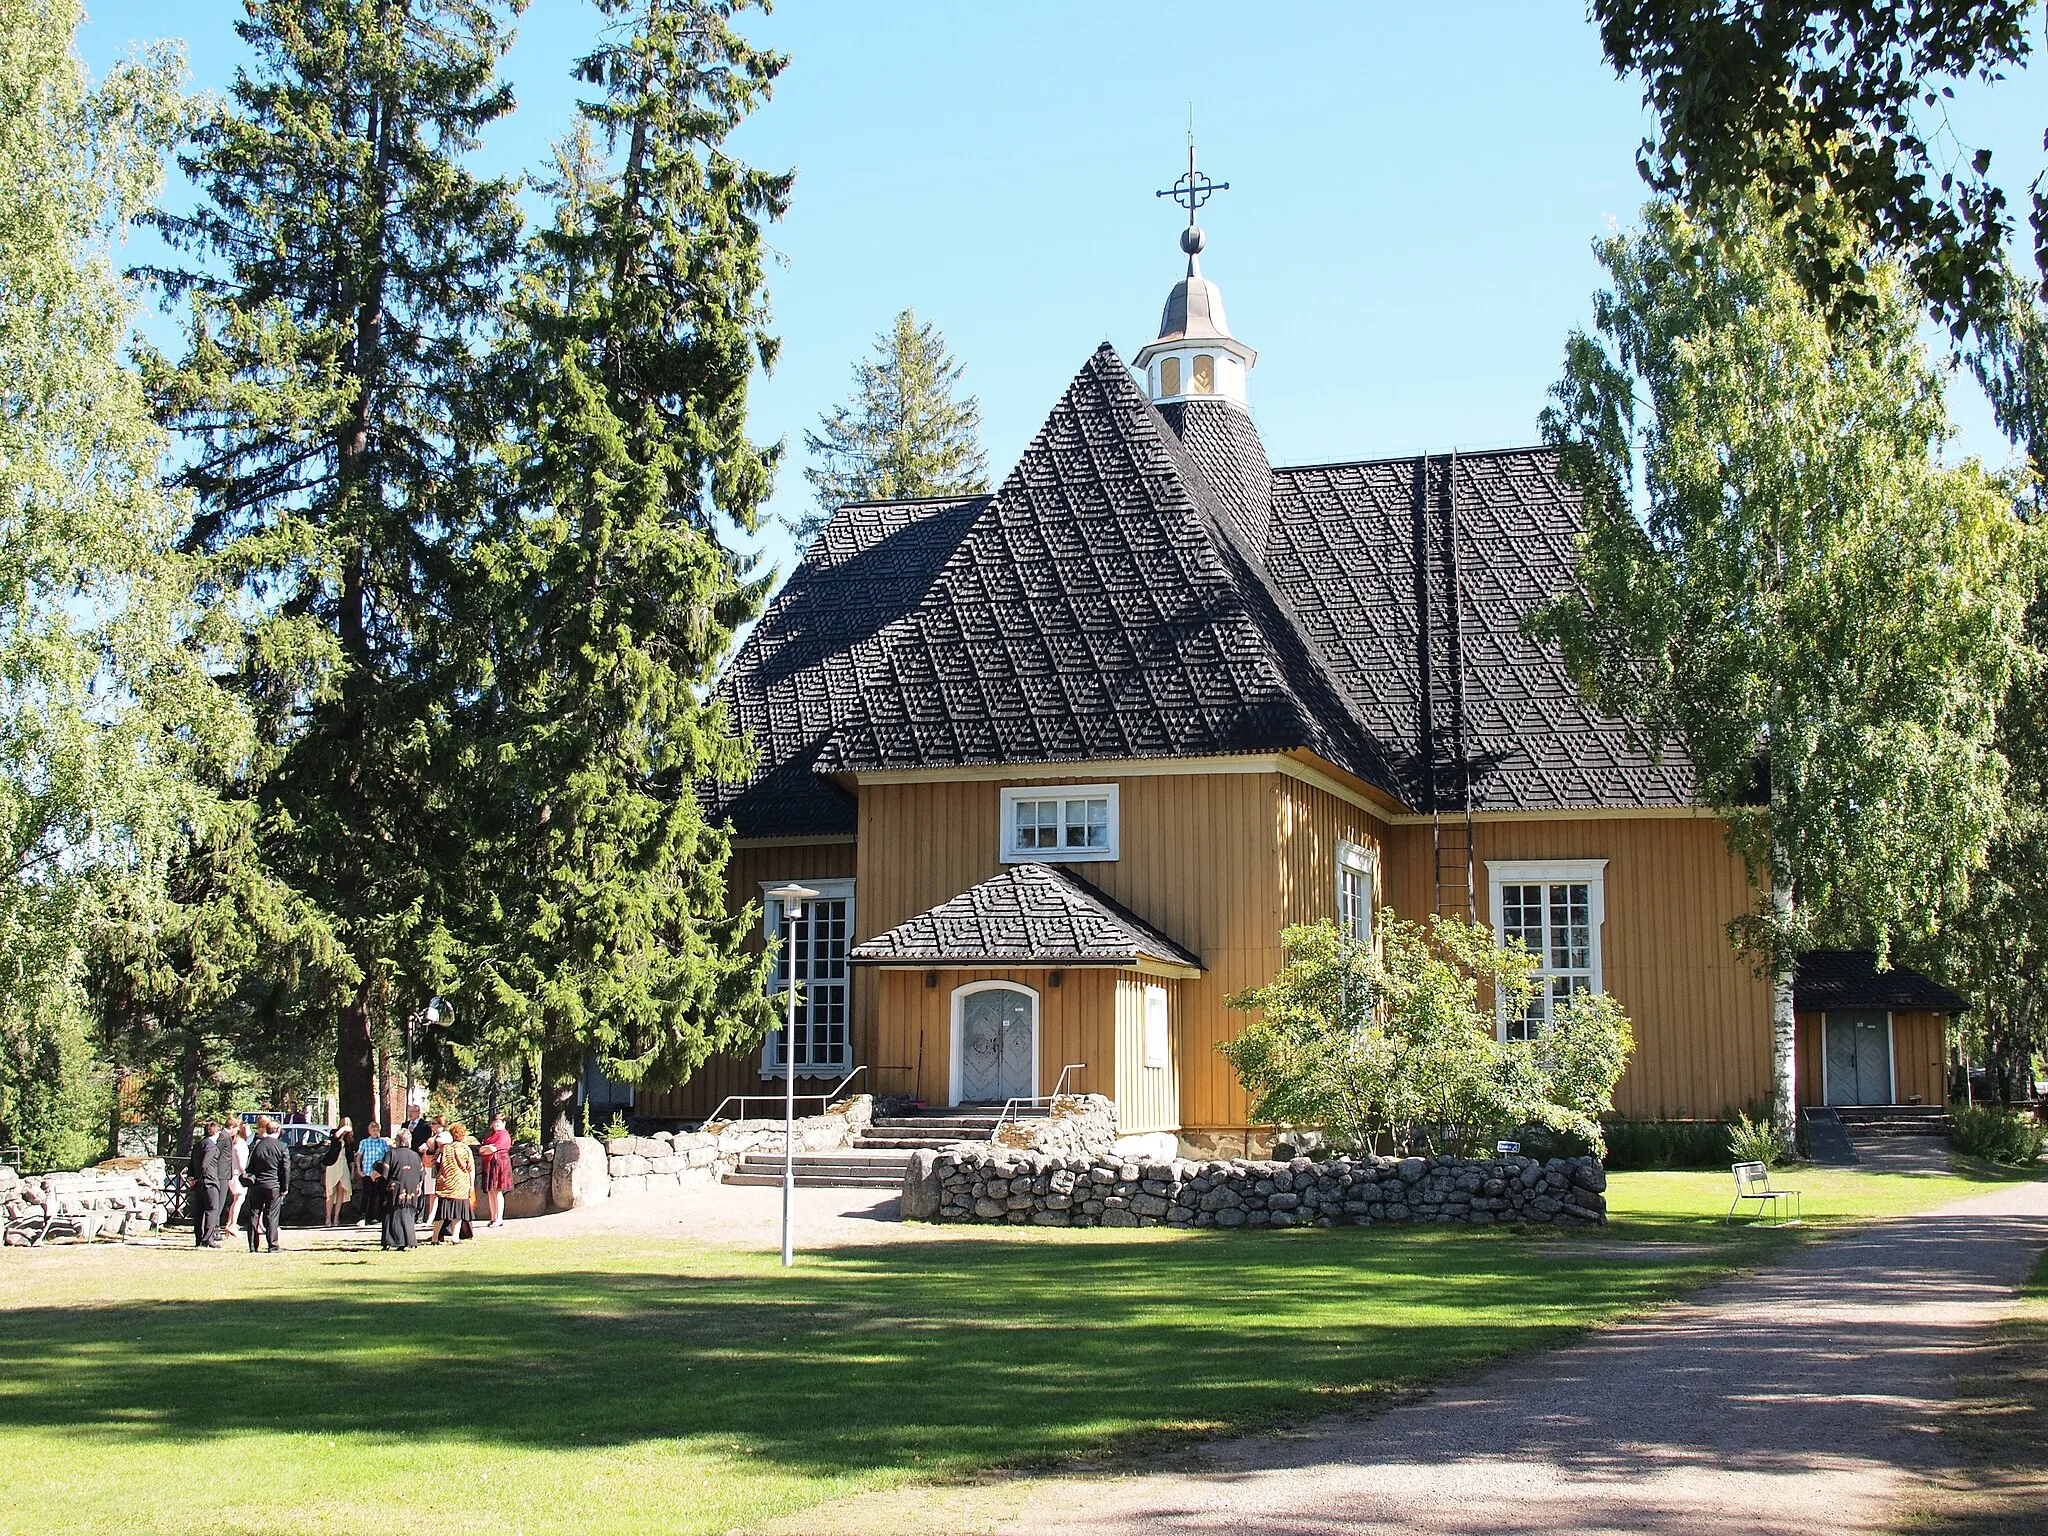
1169, 377
1205, 374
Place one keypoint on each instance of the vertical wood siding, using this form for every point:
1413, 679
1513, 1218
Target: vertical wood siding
1311, 823
740, 1071
1076, 1023
1701, 1015
1147, 1098
1919, 1058
1198, 856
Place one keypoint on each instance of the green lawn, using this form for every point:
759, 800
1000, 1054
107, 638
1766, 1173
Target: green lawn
1998, 1427
629, 1385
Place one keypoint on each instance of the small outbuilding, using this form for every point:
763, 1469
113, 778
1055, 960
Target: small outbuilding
1870, 1036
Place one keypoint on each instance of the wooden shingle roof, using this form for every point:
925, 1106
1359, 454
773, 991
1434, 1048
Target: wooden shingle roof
1029, 914
1144, 585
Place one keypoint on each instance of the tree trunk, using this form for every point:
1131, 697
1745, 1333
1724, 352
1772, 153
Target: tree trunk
353, 1058
188, 1097
120, 1081
1784, 1027
559, 1069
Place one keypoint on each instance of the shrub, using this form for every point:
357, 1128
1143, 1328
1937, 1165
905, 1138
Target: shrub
1999, 1136
615, 1129
1643, 1145
1391, 1041
1755, 1141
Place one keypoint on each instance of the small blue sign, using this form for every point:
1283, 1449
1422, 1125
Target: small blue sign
1505, 1147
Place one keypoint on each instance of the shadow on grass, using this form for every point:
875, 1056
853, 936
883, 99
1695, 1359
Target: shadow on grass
946, 1353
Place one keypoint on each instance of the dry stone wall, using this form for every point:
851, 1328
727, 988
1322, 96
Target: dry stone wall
1022, 1188
124, 1198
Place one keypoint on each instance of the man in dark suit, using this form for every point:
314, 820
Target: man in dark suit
205, 1184
224, 1162
270, 1175
404, 1176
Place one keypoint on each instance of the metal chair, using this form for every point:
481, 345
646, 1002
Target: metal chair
1753, 1182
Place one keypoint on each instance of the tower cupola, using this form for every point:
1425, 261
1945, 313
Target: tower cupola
1194, 356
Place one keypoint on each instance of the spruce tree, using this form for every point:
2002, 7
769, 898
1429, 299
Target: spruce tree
905, 432
609, 588
340, 267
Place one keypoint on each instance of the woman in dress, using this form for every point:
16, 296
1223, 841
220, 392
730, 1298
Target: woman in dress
238, 1175
494, 1169
454, 1185
340, 1153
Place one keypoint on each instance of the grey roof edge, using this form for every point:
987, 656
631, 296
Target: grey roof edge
1148, 942
1849, 978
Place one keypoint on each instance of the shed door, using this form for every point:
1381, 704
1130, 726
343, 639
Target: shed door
1859, 1052
996, 1029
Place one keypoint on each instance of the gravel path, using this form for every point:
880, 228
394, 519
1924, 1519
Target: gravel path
1796, 1400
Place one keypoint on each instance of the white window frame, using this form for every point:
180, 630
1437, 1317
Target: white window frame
1157, 1025
955, 1073
1358, 859
772, 927
1591, 873
1006, 828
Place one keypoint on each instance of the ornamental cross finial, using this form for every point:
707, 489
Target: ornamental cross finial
1193, 189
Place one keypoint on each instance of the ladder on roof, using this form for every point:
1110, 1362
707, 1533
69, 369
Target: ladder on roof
1446, 769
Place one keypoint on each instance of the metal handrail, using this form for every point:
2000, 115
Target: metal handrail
1010, 1105
824, 1099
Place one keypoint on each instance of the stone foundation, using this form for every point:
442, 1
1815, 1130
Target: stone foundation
1020, 1188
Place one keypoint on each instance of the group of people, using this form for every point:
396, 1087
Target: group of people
427, 1172
237, 1177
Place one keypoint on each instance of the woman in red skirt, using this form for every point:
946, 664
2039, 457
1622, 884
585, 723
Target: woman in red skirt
494, 1169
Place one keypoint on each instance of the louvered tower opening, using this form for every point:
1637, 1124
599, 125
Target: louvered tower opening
1440, 610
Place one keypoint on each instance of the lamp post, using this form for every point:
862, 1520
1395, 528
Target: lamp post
792, 897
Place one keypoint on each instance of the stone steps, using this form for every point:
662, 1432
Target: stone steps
854, 1168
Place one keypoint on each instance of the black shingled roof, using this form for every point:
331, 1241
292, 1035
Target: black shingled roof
1849, 978
1143, 585
1029, 912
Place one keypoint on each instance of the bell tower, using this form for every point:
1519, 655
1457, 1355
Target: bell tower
1194, 356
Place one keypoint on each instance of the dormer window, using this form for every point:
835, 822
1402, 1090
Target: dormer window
1205, 374
1169, 377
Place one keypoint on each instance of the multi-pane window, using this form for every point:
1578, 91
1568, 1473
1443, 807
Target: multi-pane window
1558, 919
816, 944
1063, 823
1354, 891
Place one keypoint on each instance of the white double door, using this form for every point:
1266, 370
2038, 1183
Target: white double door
998, 1046
1859, 1057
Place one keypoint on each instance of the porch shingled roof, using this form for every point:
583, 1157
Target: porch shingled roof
1849, 978
1029, 914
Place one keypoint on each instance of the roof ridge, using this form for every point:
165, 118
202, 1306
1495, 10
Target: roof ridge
1254, 562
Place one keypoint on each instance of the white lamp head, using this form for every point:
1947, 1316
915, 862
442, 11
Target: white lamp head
793, 897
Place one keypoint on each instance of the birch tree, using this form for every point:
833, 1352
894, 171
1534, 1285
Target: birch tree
1781, 577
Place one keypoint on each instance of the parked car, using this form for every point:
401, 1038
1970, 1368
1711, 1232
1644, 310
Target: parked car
290, 1135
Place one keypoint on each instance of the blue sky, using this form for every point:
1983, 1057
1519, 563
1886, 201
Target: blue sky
1406, 241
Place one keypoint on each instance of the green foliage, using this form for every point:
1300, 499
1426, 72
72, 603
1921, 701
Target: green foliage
1635, 1145
1755, 1141
605, 588
113, 730
1392, 1042
1843, 100
1823, 615
2000, 1136
337, 272
615, 1128
905, 432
